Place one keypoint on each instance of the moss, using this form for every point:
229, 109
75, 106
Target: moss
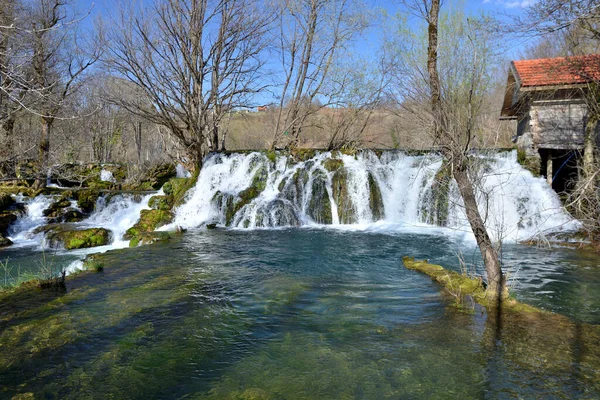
161, 202
86, 199
178, 187
6, 219
77, 239
461, 286
345, 208
271, 156
232, 204
6, 201
319, 206
436, 205
375, 199
149, 221
303, 154
93, 263
530, 163
332, 164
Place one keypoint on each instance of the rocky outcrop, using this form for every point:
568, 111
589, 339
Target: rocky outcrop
59, 235
319, 206
375, 199
231, 204
149, 221
345, 208
435, 202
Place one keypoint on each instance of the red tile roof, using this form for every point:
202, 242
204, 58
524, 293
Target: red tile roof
558, 71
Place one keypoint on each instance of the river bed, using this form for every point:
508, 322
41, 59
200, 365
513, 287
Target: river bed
300, 313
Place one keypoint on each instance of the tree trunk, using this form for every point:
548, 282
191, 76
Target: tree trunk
493, 270
6, 140
589, 147
457, 156
44, 152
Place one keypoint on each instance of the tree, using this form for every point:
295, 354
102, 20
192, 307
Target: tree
59, 61
309, 36
11, 73
448, 96
193, 61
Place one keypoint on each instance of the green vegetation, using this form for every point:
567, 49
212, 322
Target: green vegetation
149, 221
76, 239
461, 285
345, 208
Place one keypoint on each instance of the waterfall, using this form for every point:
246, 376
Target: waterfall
21, 231
116, 213
387, 191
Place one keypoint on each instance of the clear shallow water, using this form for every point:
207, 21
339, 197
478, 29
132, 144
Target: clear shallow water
299, 314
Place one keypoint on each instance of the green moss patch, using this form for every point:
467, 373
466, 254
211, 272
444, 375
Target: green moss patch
78, 239
460, 286
149, 221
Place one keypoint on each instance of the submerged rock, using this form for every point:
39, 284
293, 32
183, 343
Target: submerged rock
150, 238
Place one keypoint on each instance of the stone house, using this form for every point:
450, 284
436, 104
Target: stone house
546, 99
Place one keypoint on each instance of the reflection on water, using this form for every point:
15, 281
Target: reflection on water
299, 314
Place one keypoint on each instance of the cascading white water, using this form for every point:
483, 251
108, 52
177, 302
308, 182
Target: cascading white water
107, 176
117, 215
251, 191
21, 231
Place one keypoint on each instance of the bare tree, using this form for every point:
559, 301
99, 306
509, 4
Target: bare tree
193, 61
59, 59
448, 96
11, 73
310, 35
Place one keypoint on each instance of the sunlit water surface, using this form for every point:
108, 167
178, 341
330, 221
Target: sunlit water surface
298, 314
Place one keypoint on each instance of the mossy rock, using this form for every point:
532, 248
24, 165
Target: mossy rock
303, 154
149, 221
319, 206
55, 209
27, 170
78, 239
86, 199
530, 163
178, 187
6, 219
332, 164
341, 196
150, 238
161, 202
4, 242
159, 175
435, 206
375, 199
232, 204
6, 201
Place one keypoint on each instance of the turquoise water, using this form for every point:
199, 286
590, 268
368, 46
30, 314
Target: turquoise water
300, 314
